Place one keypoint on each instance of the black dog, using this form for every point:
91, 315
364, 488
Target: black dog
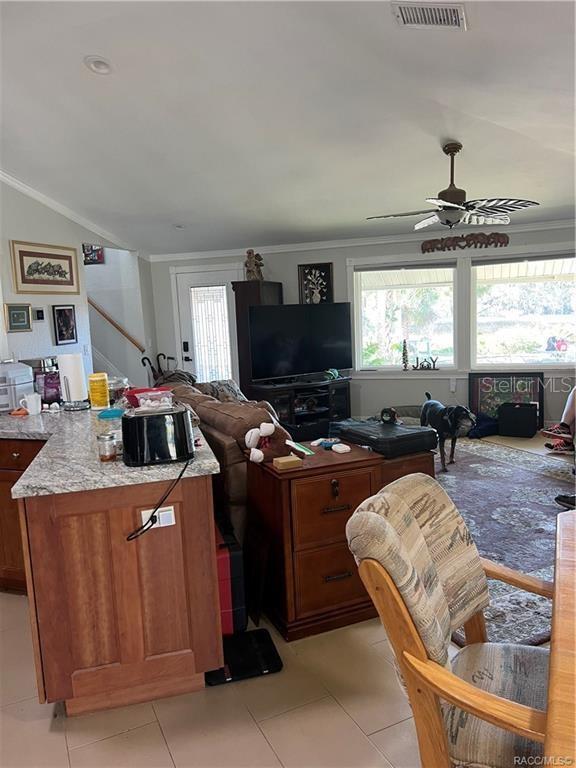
451, 421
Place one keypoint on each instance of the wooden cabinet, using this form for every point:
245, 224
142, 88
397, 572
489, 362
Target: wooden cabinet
297, 518
250, 293
115, 621
15, 456
307, 408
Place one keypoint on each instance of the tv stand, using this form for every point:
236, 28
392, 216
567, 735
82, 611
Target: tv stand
306, 408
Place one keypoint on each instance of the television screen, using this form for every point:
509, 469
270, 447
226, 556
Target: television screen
296, 339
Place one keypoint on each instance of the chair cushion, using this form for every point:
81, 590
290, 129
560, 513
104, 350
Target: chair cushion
450, 545
383, 528
515, 672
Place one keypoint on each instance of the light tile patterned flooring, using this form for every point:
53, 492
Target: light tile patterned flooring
336, 704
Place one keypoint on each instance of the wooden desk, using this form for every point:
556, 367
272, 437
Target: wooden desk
560, 741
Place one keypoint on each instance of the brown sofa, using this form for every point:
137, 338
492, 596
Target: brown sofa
229, 486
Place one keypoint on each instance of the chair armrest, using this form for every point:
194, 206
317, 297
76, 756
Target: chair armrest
501, 712
516, 579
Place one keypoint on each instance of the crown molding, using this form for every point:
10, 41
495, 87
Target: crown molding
324, 245
63, 210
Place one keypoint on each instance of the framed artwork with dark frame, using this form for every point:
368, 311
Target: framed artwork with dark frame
93, 254
486, 391
42, 268
65, 330
18, 317
315, 283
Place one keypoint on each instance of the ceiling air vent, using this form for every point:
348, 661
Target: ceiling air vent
421, 16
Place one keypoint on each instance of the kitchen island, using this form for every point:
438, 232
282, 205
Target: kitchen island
114, 622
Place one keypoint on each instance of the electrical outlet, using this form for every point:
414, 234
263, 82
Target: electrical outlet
453, 384
165, 516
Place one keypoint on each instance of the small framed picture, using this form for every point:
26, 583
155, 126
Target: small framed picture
18, 317
65, 331
315, 283
93, 254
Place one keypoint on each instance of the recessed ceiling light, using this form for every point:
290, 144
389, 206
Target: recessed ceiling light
98, 64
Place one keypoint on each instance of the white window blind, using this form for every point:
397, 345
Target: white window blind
211, 334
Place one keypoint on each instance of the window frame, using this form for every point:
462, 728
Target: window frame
450, 263
464, 312
473, 339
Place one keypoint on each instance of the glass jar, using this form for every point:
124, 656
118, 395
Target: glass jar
106, 447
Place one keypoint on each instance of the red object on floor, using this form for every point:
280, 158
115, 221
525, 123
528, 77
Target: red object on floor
230, 569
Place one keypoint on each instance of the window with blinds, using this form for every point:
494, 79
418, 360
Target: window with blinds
415, 304
525, 312
211, 332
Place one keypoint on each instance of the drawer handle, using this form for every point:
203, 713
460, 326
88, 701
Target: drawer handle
340, 508
15, 455
338, 577
335, 488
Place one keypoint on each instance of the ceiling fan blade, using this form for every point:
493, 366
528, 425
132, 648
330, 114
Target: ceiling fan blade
498, 205
396, 215
475, 217
427, 222
443, 204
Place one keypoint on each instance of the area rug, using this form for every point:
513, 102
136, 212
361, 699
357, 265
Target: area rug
506, 497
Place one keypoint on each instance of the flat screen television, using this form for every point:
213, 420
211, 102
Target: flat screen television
297, 339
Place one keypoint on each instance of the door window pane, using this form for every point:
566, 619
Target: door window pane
525, 312
210, 328
412, 304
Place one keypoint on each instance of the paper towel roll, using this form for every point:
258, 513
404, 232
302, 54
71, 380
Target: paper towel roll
72, 379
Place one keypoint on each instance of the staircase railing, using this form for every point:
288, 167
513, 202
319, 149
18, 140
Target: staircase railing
128, 336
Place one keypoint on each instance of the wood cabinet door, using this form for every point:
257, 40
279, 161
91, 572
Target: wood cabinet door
12, 575
117, 616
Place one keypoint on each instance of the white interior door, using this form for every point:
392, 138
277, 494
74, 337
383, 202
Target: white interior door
207, 321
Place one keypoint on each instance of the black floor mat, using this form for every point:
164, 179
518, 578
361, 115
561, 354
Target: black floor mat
248, 654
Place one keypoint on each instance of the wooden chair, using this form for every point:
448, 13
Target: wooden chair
424, 574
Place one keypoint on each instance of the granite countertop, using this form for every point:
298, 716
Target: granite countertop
69, 461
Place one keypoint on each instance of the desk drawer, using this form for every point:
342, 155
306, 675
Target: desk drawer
321, 506
326, 579
18, 454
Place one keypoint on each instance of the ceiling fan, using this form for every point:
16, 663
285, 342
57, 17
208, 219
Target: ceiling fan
452, 208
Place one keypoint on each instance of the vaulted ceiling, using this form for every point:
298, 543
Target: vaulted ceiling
255, 123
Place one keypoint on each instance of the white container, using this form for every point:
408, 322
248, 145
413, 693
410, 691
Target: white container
16, 382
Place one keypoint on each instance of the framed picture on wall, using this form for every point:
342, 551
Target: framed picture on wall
486, 391
18, 317
65, 331
42, 268
315, 283
93, 254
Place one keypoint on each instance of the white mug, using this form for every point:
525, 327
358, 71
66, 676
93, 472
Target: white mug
32, 403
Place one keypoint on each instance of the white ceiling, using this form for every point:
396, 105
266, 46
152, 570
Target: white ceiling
268, 122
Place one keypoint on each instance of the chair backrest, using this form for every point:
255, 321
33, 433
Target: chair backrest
414, 530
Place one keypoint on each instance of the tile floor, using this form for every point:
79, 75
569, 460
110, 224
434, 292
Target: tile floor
336, 704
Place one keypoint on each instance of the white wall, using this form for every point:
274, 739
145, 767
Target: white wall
116, 287
22, 218
370, 391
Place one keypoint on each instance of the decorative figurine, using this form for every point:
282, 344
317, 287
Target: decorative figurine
253, 265
404, 356
427, 364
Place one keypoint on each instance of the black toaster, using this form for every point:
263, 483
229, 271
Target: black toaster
157, 437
